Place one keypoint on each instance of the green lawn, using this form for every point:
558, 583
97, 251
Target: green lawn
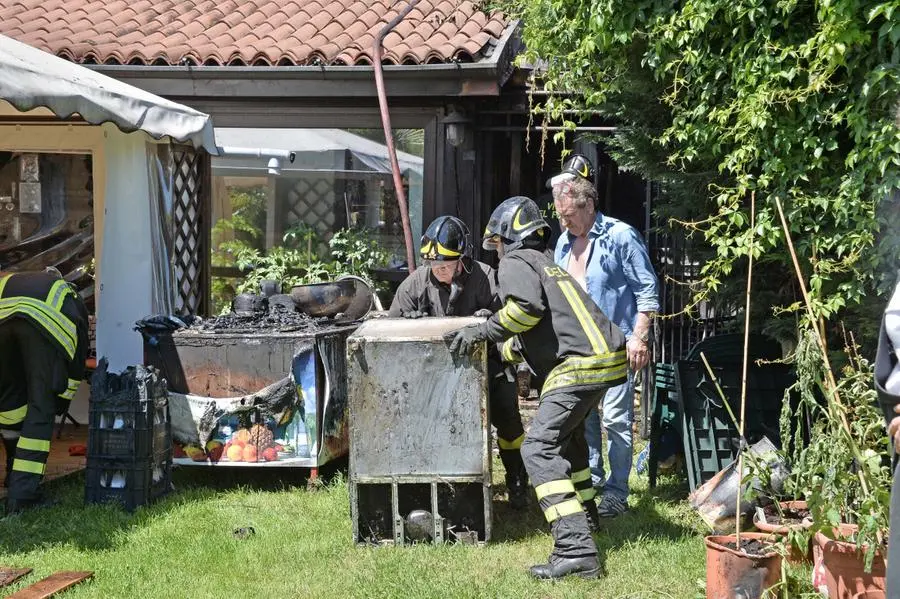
183, 546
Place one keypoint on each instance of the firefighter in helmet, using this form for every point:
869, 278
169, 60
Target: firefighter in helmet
451, 283
43, 347
574, 352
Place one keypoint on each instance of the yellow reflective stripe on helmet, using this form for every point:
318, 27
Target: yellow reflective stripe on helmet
508, 445
3, 283
58, 294
61, 328
553, 487
566, 508
28, 466
581, 475
586, 494
598, 343
447, 252
14, 416
33, 444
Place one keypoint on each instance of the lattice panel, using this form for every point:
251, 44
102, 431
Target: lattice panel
314, 202
189, 191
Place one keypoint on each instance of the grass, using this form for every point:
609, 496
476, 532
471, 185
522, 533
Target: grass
183, 546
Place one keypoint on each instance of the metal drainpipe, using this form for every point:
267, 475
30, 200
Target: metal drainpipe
389, 135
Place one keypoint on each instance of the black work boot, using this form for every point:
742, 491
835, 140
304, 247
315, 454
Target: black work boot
593, 517
587, 566
516, 478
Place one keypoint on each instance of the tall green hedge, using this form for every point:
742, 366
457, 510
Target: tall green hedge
716, 99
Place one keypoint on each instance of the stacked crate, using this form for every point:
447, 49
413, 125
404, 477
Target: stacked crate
129, 438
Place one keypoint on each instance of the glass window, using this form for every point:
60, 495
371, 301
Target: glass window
340, 179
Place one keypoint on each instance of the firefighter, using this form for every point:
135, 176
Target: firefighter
574, 352
43, 346
453, 284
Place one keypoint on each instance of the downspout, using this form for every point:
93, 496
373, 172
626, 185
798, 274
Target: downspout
389, 135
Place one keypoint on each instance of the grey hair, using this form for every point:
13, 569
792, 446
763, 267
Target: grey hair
580, 192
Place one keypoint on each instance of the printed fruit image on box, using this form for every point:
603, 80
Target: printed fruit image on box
249, 437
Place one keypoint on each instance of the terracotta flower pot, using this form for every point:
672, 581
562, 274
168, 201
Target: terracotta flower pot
843, 566
796, 554
870, 595
732, 574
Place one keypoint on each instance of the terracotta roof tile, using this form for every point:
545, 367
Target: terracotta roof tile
249, 32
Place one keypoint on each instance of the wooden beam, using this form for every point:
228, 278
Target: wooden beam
10, 575
53, 584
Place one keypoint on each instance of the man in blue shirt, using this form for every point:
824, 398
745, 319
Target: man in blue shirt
610, 261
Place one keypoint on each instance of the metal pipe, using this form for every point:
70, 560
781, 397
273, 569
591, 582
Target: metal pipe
388, 132
255, 152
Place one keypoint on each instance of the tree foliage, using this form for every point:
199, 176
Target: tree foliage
718, 99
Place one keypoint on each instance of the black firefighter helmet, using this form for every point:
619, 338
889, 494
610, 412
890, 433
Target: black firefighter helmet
447, 238
577, 165
513, 222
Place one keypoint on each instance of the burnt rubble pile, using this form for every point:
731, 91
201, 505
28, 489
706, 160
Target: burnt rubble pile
277, 320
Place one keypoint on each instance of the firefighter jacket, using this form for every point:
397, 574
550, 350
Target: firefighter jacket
549, 321
56, 311
421, 292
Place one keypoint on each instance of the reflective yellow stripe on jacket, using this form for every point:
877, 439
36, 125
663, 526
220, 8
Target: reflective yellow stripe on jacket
45, 313
514, 319
598, 343
578, 371
14, 416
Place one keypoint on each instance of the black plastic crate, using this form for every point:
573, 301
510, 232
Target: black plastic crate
129, 430
129, 415
128, 483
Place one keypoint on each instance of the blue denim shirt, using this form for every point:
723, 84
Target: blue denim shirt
619, 275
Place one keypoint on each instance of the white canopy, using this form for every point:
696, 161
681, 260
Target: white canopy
31, 78
311, 147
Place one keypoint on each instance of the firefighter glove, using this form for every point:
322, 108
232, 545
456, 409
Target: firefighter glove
461, 341
415, 314
483, 313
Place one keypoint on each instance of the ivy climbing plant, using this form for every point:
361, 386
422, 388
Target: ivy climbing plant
716, 99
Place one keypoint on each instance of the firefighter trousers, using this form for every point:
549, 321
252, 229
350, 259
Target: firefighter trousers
42, 377
504, 408
556, 458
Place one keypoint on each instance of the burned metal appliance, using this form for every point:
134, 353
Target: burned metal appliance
420, 462
304, 363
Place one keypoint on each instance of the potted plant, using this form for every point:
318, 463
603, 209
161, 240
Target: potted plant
843, 471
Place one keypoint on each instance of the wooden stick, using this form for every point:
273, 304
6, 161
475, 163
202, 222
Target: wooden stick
829, 374
737, 509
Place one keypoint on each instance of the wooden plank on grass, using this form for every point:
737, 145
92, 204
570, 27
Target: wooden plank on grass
51, 585
10, 575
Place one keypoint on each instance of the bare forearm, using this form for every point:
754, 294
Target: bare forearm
642, 325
